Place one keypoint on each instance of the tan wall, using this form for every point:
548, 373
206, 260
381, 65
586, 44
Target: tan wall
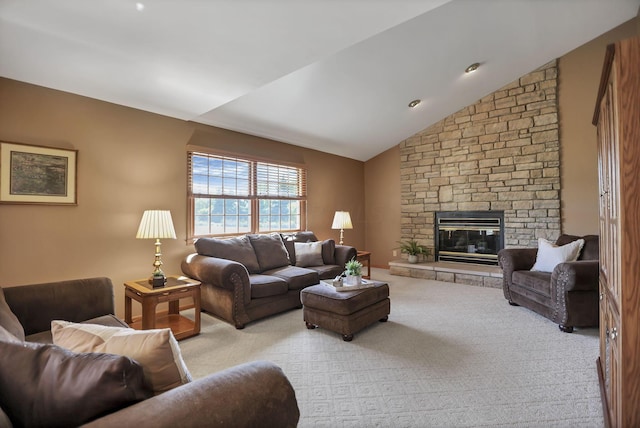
382, 201
578, 81
129, 161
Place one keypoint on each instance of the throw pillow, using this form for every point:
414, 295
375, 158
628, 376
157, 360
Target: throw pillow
270, 251
288, 242
308, 254
329, 252
7, 337
156, 350
549, 254
237, 249
45, 385
8, 319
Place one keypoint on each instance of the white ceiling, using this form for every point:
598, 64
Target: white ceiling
332, 75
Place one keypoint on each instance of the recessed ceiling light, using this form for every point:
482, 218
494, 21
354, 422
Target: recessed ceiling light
473, 67
139, 7
414, 103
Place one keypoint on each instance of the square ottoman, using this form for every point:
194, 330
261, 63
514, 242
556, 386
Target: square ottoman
345, 312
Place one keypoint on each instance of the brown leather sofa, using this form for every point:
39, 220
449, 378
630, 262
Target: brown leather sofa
255, 276
248, 395
568, 296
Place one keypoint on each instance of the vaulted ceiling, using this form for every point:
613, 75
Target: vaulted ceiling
332, 75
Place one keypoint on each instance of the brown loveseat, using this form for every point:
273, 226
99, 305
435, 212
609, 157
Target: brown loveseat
248, 395
568, 296
254, 276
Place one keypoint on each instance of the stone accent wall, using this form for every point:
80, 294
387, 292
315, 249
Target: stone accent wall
501, 153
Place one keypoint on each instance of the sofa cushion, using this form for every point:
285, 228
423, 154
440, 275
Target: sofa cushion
308, 254
540, 282
266, 286
237, 249
45, 385
304, 236
289, 244
329, 252
327, 271
549, 254
109, 320
297, 278
591, 248
8, 319
156, 350
270, 251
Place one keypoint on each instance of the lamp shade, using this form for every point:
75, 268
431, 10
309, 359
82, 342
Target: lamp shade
342, 220
156, 224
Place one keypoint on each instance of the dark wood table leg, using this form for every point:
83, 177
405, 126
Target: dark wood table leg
127, 308
149, 313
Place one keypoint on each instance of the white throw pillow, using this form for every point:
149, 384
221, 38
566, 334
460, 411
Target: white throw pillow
157, 350
308, 254
550, 255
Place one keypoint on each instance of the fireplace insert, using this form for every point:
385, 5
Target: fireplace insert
469, 236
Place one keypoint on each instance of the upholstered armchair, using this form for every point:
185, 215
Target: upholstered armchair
568, 295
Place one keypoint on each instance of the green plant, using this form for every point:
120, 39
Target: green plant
353, 267
412, 248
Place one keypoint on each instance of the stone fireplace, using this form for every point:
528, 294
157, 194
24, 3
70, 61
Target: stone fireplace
500, 154
469, 236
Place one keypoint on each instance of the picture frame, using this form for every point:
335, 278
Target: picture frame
31, 174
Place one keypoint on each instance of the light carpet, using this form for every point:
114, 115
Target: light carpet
451, 355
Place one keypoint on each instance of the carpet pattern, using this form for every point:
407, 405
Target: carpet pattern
451, 355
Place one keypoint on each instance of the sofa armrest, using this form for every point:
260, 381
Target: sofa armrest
511, 260
344, 253
76, 300
218, 272
249, 395
581, 275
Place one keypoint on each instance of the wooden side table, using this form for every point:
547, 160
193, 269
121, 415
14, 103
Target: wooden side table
362, 257
177, 287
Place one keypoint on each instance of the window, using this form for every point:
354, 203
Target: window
232, 196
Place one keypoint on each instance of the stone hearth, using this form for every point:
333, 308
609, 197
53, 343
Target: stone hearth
462, 273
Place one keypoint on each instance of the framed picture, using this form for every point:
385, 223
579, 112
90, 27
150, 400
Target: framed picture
37, 175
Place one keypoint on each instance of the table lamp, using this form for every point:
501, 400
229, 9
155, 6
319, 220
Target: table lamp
156, 224
342, 221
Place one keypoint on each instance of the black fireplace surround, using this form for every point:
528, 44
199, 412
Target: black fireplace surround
469, 236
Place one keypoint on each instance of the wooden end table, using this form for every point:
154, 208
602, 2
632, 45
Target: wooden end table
365, 256
176, 288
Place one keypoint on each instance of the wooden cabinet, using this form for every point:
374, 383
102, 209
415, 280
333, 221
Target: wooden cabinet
617, 118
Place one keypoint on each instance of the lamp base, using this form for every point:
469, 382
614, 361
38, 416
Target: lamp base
157, 281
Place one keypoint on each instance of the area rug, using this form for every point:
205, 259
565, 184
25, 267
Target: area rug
451, 355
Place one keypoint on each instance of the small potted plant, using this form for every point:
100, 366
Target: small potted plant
413, 249
353, 271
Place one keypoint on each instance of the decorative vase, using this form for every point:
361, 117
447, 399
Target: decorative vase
353, 280
413, 258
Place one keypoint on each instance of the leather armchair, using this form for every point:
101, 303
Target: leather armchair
568, 296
